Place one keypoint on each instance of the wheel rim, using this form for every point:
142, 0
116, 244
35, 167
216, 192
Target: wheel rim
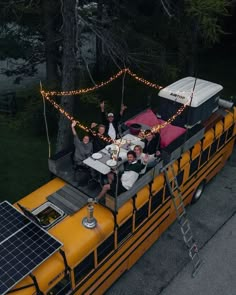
199, 191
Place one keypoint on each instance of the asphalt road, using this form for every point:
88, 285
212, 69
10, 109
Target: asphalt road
166, 268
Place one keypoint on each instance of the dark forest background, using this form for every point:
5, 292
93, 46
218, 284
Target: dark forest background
81, 43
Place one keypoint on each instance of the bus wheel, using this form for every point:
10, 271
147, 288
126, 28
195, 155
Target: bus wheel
198, 192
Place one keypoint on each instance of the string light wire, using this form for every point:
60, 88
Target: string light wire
47, 94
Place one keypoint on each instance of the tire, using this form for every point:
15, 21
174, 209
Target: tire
198, 192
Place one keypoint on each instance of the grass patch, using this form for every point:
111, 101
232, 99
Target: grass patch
23, 161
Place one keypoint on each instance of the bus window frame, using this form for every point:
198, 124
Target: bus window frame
230, 130
222, 143
87, 273
102, 245
204, 160
211, 154
161, 196
144, 208
191, 173
120, 228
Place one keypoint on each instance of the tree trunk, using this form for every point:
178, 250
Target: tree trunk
51, 47
64, 136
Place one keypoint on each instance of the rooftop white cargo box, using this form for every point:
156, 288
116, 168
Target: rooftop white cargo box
204, 101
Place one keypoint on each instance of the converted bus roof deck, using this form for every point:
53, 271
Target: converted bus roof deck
61, 166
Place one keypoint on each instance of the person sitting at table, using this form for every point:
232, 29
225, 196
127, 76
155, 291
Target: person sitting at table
98, 142
132, 168
110, 121
151, 147
83, 149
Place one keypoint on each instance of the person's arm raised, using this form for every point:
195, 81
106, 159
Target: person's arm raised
73, 128
122, 109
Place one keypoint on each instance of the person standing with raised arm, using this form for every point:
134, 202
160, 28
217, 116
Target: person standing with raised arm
110, 121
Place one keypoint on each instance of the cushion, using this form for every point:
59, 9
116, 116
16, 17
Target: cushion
168, 133
147, 118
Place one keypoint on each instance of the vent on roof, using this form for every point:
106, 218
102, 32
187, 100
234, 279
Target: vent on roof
48, 214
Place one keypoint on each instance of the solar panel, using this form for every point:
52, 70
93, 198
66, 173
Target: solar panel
11, 220
23, 251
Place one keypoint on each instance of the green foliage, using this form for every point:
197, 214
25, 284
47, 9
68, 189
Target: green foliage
208, 13
30, 114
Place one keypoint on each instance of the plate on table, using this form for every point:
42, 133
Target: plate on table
111, 163
96, 156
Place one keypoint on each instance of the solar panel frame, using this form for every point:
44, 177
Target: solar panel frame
23, 252
11, 220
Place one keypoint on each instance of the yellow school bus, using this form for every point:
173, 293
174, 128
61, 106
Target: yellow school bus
91, 245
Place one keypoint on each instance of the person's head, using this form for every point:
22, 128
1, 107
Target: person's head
86, 139
110, 117
148, 135
138, 150
131, 156
101, 129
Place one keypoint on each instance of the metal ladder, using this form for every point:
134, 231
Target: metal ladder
182, 219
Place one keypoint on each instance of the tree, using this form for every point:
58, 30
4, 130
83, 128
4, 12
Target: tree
69, 67
52, 22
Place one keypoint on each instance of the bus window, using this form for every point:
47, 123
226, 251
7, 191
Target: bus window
156, 200
84, 268
105, 248
193, 166
214, 147
184, 159
141, 214
124, 230
167, 192
230, 132
222, 139
196, 150
204, 156
62, 287
179, 177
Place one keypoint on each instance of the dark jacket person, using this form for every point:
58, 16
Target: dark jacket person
110, 121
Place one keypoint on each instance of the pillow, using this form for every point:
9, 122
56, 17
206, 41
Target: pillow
169, 133
147, 118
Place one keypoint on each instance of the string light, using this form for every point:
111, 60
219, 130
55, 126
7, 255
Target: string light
78, 123
102, 84
147, 83
85, 90
154, 129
